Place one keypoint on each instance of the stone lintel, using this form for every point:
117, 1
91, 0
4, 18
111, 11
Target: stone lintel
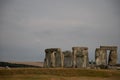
109, 47
67, 53
64, 52
52, 49
83, 48
100, 49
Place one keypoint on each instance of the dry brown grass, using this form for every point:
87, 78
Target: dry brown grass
58, 74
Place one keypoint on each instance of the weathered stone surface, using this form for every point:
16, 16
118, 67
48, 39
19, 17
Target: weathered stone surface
50, 58
67, 59
108, 47
100, 56
85, 58
54, 58
80, 57
112, 57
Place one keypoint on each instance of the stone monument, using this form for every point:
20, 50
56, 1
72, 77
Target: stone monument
101, 55
80, 57
67, 59
53, 58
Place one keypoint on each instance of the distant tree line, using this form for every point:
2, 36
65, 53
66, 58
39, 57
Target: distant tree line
14, 65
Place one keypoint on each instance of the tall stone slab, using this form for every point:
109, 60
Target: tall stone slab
85, 58
100, 56
112, 57
67, 59
59, 58
53, 58
80, 57
49, 58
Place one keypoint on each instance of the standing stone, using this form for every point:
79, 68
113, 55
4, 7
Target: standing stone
49, 58
85, 58
80, 57
112, 57
59, 58
67, 59
53, 58
100, 56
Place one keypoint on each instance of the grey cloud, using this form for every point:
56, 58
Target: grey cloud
28, 27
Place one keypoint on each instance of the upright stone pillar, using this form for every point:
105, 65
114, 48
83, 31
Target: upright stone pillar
49, 58
101, 56
53, 58
97, 57
67, 59
86, 59
74, 56
112, 57
59, 58
80, 57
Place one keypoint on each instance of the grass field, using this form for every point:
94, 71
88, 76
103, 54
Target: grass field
58, 74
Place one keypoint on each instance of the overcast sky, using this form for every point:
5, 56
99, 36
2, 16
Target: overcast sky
27, 27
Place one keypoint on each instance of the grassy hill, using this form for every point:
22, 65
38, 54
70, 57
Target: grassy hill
14, 65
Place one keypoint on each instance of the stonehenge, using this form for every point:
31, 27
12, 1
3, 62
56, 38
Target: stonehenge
53, 58
101, 55
56, 58
67, 59
78, 57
